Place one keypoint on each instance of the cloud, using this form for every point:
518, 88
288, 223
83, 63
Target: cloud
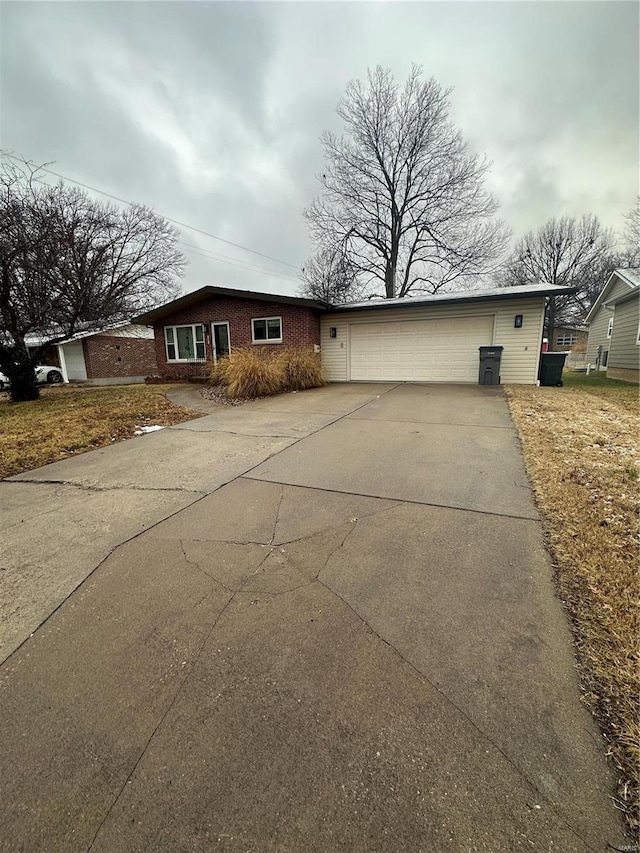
212, 112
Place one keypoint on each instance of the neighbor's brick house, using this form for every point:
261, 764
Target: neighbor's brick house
124, 353
209, 322
113, 357
569, 338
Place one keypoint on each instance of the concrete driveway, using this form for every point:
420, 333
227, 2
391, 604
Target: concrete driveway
323, 621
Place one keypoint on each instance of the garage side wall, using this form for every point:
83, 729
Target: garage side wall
115, 358
521, 352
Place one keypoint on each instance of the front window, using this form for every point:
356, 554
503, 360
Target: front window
267, 330
567, 340
185, 343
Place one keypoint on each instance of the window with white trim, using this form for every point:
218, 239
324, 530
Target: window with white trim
266, 330
610, 327
567, 340
185, 343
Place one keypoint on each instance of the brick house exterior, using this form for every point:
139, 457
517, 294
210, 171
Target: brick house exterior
108, 356
569, 339
120, 354
300, 324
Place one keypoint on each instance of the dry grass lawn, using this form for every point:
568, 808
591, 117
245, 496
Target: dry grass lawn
582, 451
68, 420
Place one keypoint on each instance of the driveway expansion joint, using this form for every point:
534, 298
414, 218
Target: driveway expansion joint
397, 500
481, 426
182, 428
120, 487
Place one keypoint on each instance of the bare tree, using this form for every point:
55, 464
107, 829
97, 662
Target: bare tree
329, 276
401, 191
566, 251
631, 237
70, 263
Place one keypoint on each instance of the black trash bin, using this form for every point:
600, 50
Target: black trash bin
490, 365
551, 366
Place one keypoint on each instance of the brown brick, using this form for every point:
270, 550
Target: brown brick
300, 328
107, 356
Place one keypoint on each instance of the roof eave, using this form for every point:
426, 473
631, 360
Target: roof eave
457, 300
210, 292
600, 301
626, 297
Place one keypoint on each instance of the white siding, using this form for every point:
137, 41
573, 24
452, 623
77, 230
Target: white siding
521, 346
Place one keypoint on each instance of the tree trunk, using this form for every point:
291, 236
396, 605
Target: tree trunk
389, 280
23, 381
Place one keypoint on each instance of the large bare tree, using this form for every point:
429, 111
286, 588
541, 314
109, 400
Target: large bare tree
631, 236
330, 276
70, 263
402, 193
566, 251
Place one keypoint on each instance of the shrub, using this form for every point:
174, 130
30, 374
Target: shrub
251, 372
301, 369
218, 370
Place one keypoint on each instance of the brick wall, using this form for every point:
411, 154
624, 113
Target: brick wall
106, 356
300, 328
561, 331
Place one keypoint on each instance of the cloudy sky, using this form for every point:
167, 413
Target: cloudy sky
211, 112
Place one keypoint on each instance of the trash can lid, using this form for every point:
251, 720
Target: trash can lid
485, 348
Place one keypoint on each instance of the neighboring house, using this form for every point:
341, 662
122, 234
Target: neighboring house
613, 326
115, 355
420, 339
211, 321
569, 338
624, 346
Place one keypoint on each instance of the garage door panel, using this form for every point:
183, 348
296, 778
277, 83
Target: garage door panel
444, 350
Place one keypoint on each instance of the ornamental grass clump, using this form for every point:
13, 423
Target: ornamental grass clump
301, 369
251, 372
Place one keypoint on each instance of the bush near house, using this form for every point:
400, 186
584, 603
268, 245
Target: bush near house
251, 372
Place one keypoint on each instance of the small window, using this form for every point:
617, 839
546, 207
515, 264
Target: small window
610, 327
567, 340
185, 343
267, 330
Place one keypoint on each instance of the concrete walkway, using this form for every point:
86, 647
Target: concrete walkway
323, 621
189, 396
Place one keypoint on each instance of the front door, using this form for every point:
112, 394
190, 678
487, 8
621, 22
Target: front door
221, 340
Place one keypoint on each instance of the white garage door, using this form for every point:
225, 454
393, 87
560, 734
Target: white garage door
419, 350
74, 359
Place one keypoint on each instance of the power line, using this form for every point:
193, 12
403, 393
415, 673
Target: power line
253, 269
229, 258
214, 256
168, 218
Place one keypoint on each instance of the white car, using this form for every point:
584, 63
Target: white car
45, 374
